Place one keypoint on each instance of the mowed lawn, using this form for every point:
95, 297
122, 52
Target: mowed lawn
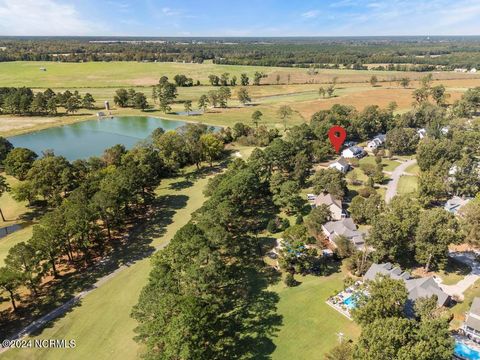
310, 327
407, 184
101, 324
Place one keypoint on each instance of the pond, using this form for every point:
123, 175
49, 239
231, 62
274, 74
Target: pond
89, 138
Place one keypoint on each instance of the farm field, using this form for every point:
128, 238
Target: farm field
101, 79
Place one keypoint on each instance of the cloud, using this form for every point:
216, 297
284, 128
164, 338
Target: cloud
43, 17
311, 14
170, 12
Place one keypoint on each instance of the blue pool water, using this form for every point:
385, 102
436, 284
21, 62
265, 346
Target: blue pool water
350, 302
466, 352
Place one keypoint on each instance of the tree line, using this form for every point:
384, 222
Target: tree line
23, 101
92, 201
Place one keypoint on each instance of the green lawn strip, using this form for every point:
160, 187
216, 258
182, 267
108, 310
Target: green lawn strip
310, 326
388, 165
407, 184
461, 308
101, 325
413, 169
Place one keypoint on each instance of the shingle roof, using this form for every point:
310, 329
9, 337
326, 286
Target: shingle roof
327, 199
417, 288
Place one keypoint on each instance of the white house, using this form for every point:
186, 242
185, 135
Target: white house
422, 133
340, 164
377, 141
334, 205
353, 152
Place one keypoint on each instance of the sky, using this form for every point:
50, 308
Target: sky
239, 18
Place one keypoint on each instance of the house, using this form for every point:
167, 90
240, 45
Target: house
422, 133
456, 203
471, 326
334, 205
344, 227
353, 152
416, 287
340, 164
473, 70
377, 141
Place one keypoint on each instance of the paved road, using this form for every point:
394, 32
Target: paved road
395, 177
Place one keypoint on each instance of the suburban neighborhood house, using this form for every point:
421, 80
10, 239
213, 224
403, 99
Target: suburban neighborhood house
353, 152
471, 326
376, 142
340, 164
417, 287
344, 227
334, 205
455, 203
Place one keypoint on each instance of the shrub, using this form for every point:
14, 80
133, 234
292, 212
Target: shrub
290, 280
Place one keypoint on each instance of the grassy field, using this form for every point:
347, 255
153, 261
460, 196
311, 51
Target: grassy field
310, 326
301, 93
407, 184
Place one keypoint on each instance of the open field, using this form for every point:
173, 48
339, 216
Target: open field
101, 79
310, 326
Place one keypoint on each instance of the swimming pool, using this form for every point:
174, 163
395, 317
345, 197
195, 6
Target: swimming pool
350, 302
466, 352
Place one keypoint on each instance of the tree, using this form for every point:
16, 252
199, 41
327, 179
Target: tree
244, 79
287, 196
4, 187
212, 147
224, 95
436, 230
214, 80
18, 162
257, 77
140, 101
330, 181
22, 258
373, 80
88, 102
187, 105
469, 221
224, 79
432, 186
203, 102
386, 299
393, 230
438, 94
233, 81
330, 90
321, 91
402, 141
213, 98
317, 217
290, 280
284, 112
5, 147
404, 82
243, 96
421, 95
10, 282
72, 105
364, 210
344, 247
256, 117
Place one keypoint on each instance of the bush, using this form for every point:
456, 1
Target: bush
366, 192
290, 280
299, 220
285, 224
272, 226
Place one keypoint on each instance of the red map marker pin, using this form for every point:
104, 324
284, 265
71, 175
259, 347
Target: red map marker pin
337, 136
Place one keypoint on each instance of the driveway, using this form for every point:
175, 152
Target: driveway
395, 177
460, 287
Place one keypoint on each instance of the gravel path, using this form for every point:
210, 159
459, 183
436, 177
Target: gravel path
395, 177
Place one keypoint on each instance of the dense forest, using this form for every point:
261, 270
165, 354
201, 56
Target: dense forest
421, 53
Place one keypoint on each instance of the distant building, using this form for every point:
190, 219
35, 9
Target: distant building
345, 227
340, 164
417, 287
353, 152
471, 326
456, 203
376, 142
473, 70
334, 205
43, 69
460, 70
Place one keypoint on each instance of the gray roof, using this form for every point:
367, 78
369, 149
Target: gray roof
342, 161
473, 317
455, 203
345, 227
417, 288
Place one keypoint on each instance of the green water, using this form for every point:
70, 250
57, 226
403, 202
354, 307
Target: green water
90, 138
